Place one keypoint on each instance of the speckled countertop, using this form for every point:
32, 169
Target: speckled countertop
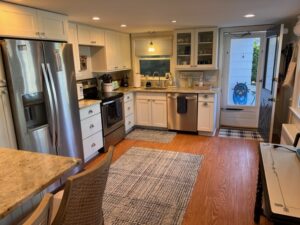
169, 90
87, 102
24, 174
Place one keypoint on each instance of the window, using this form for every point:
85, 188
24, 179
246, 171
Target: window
160, 66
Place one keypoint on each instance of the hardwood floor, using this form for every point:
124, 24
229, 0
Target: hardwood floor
224, 193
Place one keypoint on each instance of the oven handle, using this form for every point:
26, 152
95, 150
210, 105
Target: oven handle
112, 101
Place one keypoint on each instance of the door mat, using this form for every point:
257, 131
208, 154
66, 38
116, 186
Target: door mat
161, 136
150, 186
242, 134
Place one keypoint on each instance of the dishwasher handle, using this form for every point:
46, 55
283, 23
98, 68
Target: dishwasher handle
187, 97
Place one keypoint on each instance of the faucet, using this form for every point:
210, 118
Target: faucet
156, 73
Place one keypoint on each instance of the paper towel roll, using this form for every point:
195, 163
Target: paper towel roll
137, 80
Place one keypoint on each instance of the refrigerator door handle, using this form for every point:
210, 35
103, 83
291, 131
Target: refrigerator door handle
53, 125
55, 100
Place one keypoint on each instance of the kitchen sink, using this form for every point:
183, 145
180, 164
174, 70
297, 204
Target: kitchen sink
155, 88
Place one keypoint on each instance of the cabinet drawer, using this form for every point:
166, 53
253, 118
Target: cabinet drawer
91, 145
91, 125
128, 97
128, 108
149, 95
129, 122
89, 111
206, 97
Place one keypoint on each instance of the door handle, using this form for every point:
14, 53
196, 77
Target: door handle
51, 104
55, 101
191, 98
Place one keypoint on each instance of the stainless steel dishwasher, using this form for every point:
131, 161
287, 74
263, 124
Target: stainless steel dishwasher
182, 118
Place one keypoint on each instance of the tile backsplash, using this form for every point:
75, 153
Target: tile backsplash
186, 79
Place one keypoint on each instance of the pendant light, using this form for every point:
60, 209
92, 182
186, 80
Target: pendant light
151, 47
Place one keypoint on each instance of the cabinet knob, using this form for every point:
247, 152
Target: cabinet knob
205, 103
129, 122
43, 34
128, 97
93, 145
93, 42
3, 81
90, 111
37, 33
205, 96
128, 108
153, 100
3, 92
92, 126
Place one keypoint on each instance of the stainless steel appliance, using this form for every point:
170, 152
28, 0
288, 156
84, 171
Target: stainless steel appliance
42, 88
182, 112
112, 109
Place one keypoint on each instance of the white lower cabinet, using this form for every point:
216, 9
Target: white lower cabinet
129, 111
91, 129
151, 109
7, 132
207, 113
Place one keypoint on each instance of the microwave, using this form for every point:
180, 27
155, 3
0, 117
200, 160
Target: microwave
80, 91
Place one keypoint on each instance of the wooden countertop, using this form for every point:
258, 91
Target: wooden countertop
87, 102
24, 174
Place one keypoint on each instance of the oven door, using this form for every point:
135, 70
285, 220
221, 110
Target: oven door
112, 115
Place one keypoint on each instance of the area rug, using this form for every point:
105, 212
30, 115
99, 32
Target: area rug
151, 135
149, 186
243, 134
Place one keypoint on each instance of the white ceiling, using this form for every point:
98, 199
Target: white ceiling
156, 15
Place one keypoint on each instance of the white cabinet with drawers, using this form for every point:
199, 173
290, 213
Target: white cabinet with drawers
91, 128
207, 113
129, 111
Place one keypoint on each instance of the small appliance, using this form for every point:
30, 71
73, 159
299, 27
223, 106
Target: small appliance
80, 91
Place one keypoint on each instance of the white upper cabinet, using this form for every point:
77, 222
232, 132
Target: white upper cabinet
25, 22
18, 21
125, 48
52, 26
90, 36
196, 49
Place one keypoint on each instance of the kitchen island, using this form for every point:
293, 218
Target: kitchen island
23, 174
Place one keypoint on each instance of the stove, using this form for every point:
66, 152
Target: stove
93, 93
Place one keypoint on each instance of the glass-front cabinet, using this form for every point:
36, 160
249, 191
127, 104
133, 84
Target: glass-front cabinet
184, 48
197, 49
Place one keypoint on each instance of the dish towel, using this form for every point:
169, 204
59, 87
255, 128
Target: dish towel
181, 104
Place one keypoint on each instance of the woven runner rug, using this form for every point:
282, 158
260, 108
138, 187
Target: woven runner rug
151, 135
149, 186
243, 134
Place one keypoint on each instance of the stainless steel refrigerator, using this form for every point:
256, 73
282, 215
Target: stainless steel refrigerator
42, 87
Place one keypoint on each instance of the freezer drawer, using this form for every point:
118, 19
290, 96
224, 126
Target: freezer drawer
186, 121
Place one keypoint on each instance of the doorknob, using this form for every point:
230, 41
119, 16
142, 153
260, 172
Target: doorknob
271, 99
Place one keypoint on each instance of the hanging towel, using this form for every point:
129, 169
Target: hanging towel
181, 104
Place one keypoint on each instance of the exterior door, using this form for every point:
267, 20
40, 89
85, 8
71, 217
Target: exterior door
269, 82
242, 71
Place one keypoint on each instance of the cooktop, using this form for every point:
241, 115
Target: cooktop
93, 93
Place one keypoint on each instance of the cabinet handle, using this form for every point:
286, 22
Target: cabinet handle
37, 33
149, 100
3, 81
124, 66
153, 100
205, 103
90, 111
4, 92
93, 42
92, 126
129, 122
128, 108
93, 145
128, 97
205, 96
43, 34
116, 67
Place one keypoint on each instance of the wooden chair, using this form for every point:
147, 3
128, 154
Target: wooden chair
81, 201
41, 216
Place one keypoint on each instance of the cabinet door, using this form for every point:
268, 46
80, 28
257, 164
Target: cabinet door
7, 132
52, 26
205, 116
125, 51
143, 112
159, 113
18, 21
113, 50
97, 37
206, 42
72, 38
184, 47
84, 35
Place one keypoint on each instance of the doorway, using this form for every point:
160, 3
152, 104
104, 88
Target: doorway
242, 71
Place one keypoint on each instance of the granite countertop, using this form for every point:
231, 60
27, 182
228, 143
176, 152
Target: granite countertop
24, 174
87, 102
169, 90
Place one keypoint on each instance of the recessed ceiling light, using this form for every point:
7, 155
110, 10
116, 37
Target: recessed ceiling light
173, 21
123, 25
250, 15
96, 18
